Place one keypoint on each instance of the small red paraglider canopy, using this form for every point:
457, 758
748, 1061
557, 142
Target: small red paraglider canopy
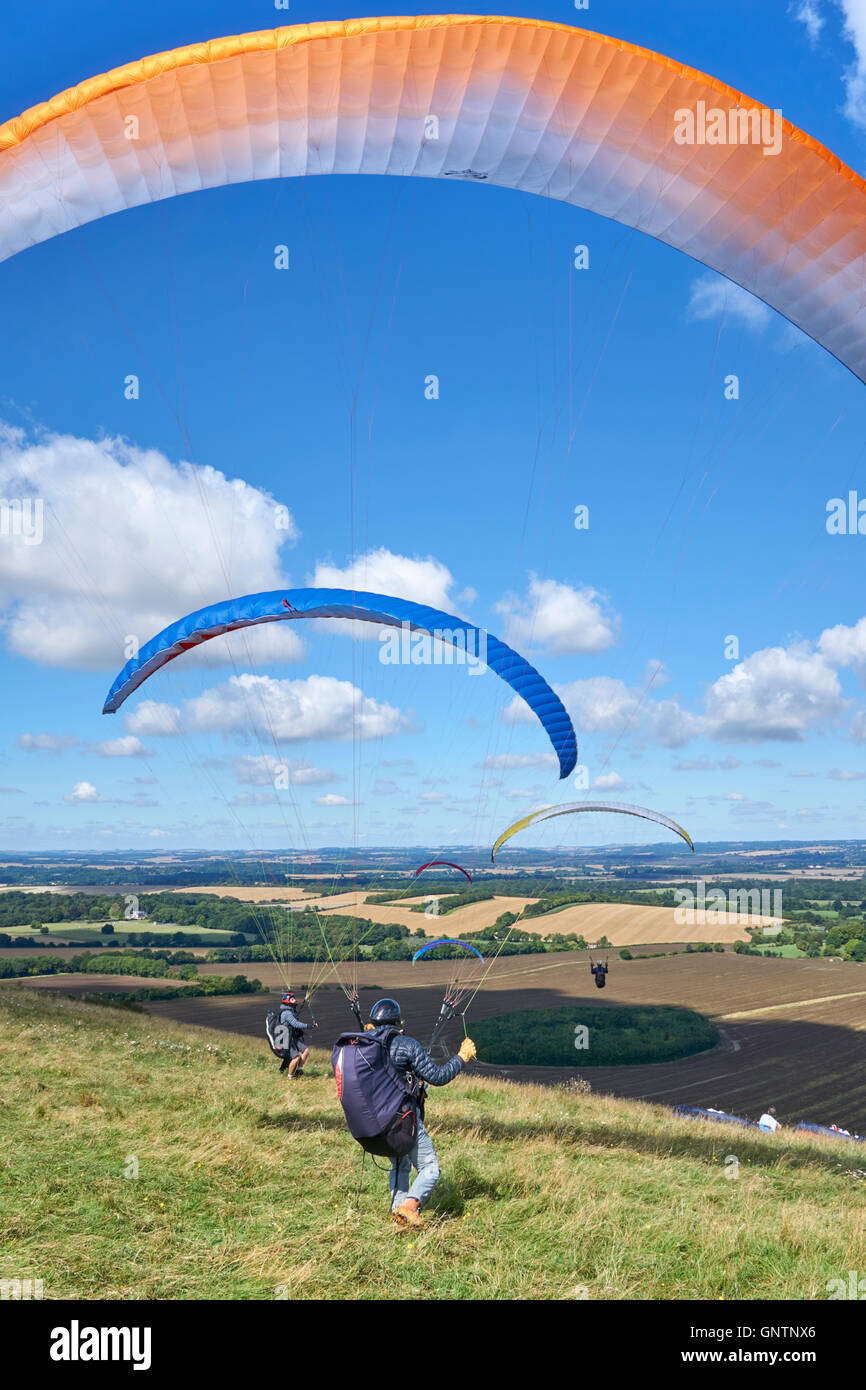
442, 864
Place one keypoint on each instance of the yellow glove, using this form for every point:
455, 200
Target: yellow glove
368, 1027
467, 1050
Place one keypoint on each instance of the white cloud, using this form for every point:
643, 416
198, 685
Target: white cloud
843, 645
382, 572
712, 297
154, 720
264, 770
131, 542
807, 13
776, 693
83, 792
606, 705
610, 782
854, 12
858, 727
654, 673
319, 707
124, 747
600, 704
670, 725
255, 799
46, 743
709, 765
518, 760
386, 786
743, 806
558, 618
331, 800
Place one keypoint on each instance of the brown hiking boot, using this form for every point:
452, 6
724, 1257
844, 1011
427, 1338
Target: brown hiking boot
405, 1215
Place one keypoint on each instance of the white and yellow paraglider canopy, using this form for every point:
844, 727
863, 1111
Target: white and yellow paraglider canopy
573, 807
585, 118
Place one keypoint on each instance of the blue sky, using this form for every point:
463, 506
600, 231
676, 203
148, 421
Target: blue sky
707, 517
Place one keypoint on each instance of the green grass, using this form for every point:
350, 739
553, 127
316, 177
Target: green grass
784, 952
247, 1185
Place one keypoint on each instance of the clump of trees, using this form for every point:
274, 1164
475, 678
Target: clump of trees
166, 965
615, 1035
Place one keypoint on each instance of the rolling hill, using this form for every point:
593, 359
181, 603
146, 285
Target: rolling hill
146, 1159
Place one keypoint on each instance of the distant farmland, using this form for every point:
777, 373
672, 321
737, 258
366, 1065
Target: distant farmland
793, 1031
624, 924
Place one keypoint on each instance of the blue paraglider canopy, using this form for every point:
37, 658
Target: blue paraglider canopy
697, 1112
825, 1131
431, 945
293, 604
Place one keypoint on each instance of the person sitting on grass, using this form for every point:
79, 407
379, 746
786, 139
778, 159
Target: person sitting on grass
298, 1051
768, 1122
407, 1055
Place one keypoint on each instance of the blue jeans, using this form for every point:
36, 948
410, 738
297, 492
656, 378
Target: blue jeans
422, 1156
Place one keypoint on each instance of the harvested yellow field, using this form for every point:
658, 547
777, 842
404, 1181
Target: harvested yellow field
349, 902
474, 917
276, 893
627, 924
624, 924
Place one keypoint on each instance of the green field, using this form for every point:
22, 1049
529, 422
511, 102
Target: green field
615, 1035
785, 952
83, 933
154, 1161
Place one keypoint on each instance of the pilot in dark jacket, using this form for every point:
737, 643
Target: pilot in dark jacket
407, 1055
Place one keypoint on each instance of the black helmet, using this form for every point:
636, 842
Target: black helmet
385, 1011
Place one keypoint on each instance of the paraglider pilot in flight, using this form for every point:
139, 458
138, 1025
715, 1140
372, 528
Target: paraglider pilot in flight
599, 971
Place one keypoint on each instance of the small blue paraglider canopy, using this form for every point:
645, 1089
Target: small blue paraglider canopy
825, 1131
697, 1112
446, 941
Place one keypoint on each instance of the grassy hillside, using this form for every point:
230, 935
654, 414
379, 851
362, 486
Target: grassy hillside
247, 1185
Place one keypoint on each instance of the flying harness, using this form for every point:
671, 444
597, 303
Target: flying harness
381, 1104
599, 974
282, 1038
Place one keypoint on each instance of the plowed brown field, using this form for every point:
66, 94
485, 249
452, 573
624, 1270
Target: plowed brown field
793, 1031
